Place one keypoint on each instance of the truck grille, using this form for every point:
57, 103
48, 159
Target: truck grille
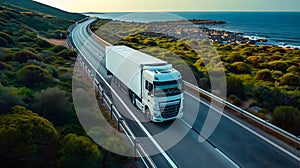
169, 109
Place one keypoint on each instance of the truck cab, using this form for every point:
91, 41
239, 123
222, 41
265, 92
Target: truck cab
162, 93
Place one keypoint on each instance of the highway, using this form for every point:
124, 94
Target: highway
232, 144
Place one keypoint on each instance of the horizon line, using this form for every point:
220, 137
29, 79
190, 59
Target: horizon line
194, 11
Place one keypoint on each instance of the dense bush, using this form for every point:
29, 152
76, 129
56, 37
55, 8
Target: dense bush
58, 48
7, 37
3, 42
79, 151
264, 74
30, 75
67, 54
235, 87
278, 65
254, 60
9, 99
43, 44
25, 55
240, 68
53, 104
25, 138
288, 118
234, 57
25, 38
290, 79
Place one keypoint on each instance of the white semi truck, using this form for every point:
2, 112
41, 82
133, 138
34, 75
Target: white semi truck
153, 85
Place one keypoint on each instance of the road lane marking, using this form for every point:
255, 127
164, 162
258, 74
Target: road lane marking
248, 129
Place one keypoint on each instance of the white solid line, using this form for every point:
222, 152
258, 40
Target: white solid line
166, 156
226, 157
231, 161
248, 129
186, 123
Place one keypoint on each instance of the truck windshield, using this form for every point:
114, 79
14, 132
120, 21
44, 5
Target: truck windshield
169, 88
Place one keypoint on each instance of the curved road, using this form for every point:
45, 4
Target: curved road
232, 144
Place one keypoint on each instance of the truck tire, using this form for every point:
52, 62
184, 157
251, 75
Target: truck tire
133, 101
147, 114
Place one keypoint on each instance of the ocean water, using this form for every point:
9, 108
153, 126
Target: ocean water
280, 28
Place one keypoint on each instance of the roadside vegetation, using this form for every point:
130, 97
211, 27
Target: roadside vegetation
38, 123
264, 80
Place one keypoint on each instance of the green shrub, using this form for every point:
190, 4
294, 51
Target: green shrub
265, 75
25, 55
7, 38
254, 60
25, 38
3, 42
234, 57
150, 43
67, 54
290, 79
53, 104
58, 48
277, 73
288, 118
240, 68
235, 87
74, 147
32, 74
43, 44
294, 69
9, 99
235, 100
278, 65
23, 135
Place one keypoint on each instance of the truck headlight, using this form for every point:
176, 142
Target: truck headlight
156, 115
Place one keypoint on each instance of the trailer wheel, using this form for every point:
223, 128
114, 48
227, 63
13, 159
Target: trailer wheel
147, 113
133, 99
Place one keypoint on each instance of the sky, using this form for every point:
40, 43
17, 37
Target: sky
173, 5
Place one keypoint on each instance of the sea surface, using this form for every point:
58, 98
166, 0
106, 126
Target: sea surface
279, 28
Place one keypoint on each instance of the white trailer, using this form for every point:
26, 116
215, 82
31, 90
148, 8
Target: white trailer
152, 84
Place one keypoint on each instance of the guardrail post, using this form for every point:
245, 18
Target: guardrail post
135, 148
119, 121
111, 111
102, 94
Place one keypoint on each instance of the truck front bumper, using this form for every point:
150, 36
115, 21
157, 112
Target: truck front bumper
161, 119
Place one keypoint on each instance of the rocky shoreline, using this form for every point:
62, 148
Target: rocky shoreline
227, 37
219, 36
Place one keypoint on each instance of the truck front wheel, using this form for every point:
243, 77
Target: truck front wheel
147, 113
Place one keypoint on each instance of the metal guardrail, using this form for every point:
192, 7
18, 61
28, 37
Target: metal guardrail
285, 134
122, 125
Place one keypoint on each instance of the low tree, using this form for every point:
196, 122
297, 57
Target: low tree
235, 87
26, 140
288, 118
8, 99
53, 104
79, 151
